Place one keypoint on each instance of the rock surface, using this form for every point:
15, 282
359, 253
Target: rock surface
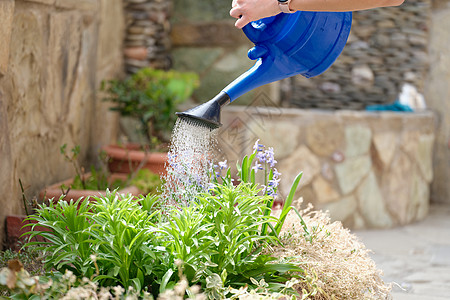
369, 170
53, 56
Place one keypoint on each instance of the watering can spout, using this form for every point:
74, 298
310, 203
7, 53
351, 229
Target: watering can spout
305, 43
208, 113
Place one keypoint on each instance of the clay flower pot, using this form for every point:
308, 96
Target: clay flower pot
54, 191
15, 230
129, 158
14, 223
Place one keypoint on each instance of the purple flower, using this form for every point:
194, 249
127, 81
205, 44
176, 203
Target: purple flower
276, 174
257, 167
258, 147
223, 164
261, 156
274, 182
270, 157
269, 191
210, 186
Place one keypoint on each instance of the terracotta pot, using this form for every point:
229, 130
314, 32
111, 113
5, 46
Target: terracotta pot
15, 230
54, 191
128, 158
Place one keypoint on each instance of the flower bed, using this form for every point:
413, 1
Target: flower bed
226, 243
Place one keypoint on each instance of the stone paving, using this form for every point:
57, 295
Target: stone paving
416, 257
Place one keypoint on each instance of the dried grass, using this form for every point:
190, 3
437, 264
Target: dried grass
337, 264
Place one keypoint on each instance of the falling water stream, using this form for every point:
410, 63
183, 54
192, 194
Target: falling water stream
190, 156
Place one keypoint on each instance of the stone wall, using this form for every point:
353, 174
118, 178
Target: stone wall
387, 47
370, 170
147, 41
205, 40
53, 56
437, 93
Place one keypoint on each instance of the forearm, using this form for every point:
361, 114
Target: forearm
250, 10
341, 5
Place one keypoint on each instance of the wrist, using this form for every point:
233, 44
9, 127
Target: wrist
284, 6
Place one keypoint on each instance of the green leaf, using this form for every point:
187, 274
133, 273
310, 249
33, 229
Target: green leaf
137, 284
165, 280
287, 203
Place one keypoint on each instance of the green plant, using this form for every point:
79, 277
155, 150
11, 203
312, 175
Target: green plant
68, 244
147, 181
151, 97
99, 179
222, 233
111, 236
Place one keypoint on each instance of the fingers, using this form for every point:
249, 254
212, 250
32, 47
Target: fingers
237, 13
241, 22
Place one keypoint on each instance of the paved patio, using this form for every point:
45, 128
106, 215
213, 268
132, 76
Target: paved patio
416, 258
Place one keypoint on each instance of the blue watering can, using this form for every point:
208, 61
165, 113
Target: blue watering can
305, 43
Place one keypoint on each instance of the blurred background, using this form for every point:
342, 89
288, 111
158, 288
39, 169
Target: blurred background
369, 169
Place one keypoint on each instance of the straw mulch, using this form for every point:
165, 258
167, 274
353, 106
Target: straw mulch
337, 265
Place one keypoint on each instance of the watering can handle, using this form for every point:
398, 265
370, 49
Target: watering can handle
259, 31
305, 43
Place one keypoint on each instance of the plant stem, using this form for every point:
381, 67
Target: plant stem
24, 199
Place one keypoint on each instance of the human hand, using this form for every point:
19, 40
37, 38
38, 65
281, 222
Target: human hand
247, 11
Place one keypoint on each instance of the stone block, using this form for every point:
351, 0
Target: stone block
358, 140
301, 160
110, 36
424, 156
279, 134
198, 60
418, 205
385, 145
46, 2
26, 68
64, 57
324, 191
6, 19
210, 34
351, 172
396, 185
78, 4
195, 11
234, 138
371, 203
7, 182
342, 209
325, 137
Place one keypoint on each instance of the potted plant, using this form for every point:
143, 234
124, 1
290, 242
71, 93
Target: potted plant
150, 97
14, 223
97, 182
